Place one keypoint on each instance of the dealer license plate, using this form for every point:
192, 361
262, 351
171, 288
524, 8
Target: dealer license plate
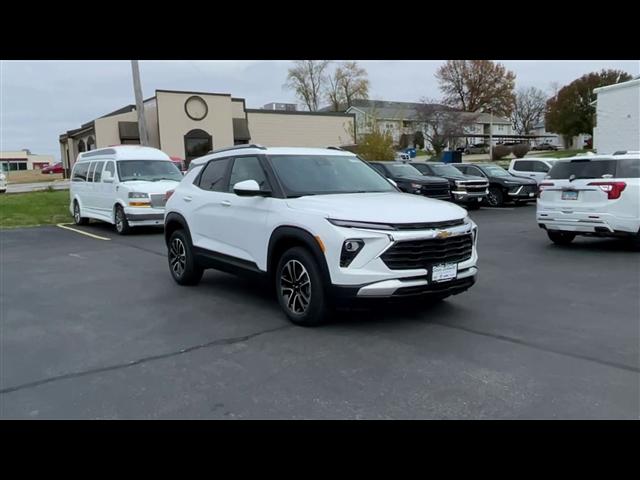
569, 195
444, 272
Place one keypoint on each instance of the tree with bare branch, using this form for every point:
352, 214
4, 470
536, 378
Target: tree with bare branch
477, 86
442, 125
307, 79
349, 82
528, 109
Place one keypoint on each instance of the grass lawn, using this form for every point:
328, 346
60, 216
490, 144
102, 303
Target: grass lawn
34, 208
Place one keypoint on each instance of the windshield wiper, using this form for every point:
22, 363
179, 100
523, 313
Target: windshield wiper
164, 178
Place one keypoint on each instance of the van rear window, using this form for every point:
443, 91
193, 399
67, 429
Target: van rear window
622, 168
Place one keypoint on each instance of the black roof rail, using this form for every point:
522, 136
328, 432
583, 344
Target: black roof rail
335, 148
237, 147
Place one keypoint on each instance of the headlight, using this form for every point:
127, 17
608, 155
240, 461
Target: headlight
416, 186
353, 224
350, 249
138, 195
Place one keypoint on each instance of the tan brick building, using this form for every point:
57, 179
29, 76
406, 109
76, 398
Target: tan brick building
187, 125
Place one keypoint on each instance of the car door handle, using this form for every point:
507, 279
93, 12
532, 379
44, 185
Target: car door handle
225, 203
187, 198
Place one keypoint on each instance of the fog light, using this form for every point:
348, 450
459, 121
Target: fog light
350, 249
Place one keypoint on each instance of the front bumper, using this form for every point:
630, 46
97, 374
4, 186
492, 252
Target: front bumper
468, 197
144, 216
520, 193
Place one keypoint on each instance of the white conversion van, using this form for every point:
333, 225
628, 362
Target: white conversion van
124, 185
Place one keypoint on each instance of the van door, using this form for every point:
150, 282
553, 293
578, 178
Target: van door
107, 190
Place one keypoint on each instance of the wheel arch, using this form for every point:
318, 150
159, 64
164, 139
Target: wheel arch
286, 237
172, 222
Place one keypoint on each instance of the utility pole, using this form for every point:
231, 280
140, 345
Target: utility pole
137, 89
491, 134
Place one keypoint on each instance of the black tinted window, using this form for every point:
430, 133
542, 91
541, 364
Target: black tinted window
248, 168
628, 168
422, 168
540, 167
583, 169
212, 178
524, 166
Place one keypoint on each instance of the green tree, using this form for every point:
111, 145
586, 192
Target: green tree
376, 145
570, 112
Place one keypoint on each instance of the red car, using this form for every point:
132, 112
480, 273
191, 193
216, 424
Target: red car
55, 168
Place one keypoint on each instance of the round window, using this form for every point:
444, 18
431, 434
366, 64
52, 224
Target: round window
196, 108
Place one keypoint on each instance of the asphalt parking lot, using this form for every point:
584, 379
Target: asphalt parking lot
95, 328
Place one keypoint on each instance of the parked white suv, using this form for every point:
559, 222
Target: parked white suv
124, 185
320, 224
535, 168
596, 195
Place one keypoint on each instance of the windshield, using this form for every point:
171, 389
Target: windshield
324, 174
148, 170
445, 170
496, 171
402, 170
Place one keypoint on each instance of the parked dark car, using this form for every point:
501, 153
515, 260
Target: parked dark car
55, 168
544, 146
411, 180
467, 189
477, 148
503, 186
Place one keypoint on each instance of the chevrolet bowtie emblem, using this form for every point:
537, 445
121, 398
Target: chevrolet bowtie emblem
443, 234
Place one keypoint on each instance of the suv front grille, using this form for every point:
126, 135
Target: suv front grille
158, 200
411, 254
475, 186
428, 225
436, 191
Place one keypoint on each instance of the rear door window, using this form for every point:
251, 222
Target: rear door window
213, 175
583, 169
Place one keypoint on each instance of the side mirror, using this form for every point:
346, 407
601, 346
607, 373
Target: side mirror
107, 177
250, 188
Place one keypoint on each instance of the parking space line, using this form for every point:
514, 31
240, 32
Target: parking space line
64, 225
497, 208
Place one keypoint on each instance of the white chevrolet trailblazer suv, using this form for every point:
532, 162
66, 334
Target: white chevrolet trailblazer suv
320, 224
596, 195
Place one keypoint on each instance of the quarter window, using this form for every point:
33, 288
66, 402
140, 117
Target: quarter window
212, 177
248, 168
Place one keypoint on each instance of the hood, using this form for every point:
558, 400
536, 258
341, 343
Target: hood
462, 176
161, 186
387, 207
421, 179
520, 180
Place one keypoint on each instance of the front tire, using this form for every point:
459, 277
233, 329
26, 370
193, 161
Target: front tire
78, 219
122, 225
300, 288
182, 262
495, 198
561, 238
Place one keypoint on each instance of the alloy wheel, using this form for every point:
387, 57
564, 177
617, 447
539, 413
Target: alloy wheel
76, 212
295, 287
177, 257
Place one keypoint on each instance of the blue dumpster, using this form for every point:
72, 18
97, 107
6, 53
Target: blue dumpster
411, 152
447, 157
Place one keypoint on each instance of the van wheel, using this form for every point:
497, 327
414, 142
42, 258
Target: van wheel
561, 238
78, 219
495, 198
182, 262
300, 288
122, 225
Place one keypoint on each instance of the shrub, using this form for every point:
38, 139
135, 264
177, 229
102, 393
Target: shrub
500, 151
376, 146
521, 149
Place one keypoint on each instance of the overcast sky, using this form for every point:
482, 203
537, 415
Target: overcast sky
41, 99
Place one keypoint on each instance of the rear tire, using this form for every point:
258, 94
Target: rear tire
301, 288
78, 219
495, 197
561, 238
182, 262
122, 225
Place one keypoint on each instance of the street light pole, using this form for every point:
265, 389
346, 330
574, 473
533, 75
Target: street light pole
137, 90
